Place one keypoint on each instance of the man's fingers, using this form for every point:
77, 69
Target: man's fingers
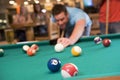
64, 41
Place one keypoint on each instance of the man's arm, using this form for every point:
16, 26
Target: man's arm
76, 34
78, 31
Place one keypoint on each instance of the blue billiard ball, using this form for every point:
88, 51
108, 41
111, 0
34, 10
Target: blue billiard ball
54, 64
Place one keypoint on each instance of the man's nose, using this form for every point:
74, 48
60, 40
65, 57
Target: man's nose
60, 22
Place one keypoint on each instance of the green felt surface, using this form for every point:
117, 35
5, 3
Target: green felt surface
95, 60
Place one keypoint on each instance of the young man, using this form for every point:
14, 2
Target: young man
73, 22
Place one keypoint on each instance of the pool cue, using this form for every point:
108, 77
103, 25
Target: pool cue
107, 16
62, 34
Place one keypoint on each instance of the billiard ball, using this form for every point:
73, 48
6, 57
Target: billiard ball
76, 50
59, 47
54, 64
106, 42
1, 52
35, 46
31, 51
25, 47
97, 40
69, 70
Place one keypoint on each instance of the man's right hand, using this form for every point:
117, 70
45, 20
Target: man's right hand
64, 41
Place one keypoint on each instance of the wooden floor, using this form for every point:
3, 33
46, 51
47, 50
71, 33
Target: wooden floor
106, 78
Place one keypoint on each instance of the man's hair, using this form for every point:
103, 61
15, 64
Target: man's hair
58, 8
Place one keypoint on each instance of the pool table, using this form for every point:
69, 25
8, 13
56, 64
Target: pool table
95, 61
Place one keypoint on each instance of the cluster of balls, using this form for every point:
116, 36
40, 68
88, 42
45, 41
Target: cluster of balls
31, 50
106, 42
1, 52
67, 70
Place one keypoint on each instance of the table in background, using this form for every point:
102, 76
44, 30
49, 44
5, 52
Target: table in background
96, 61
28, 30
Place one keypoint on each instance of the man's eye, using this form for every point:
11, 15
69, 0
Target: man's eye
62, 19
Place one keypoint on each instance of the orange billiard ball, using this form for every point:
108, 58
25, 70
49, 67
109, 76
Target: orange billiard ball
31, 52
106, 42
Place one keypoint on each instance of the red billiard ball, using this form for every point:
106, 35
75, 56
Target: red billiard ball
69, 70
54, 64
106, 42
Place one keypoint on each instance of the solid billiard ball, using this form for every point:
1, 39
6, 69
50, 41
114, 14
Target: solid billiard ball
76, 50
35, 46
1, 52
59, 47
54, 64
31, 52
25, 47
97, 40
69, 70
106, 42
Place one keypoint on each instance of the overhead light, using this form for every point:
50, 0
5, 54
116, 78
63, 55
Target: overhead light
0, 20
44, 10
36, 1
15, 4
4, 21
11, 2
58, 0
26, 3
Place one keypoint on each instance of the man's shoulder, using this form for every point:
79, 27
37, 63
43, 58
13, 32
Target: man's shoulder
74, 10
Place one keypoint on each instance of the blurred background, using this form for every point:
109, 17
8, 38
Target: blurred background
11, 7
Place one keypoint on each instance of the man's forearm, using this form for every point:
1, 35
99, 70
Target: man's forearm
77, 32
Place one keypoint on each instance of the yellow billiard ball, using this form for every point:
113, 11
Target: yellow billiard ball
76, 50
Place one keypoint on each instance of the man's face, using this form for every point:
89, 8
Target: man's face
61, 19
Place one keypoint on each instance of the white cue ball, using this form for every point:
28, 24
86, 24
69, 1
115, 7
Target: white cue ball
59, 47
25, 47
